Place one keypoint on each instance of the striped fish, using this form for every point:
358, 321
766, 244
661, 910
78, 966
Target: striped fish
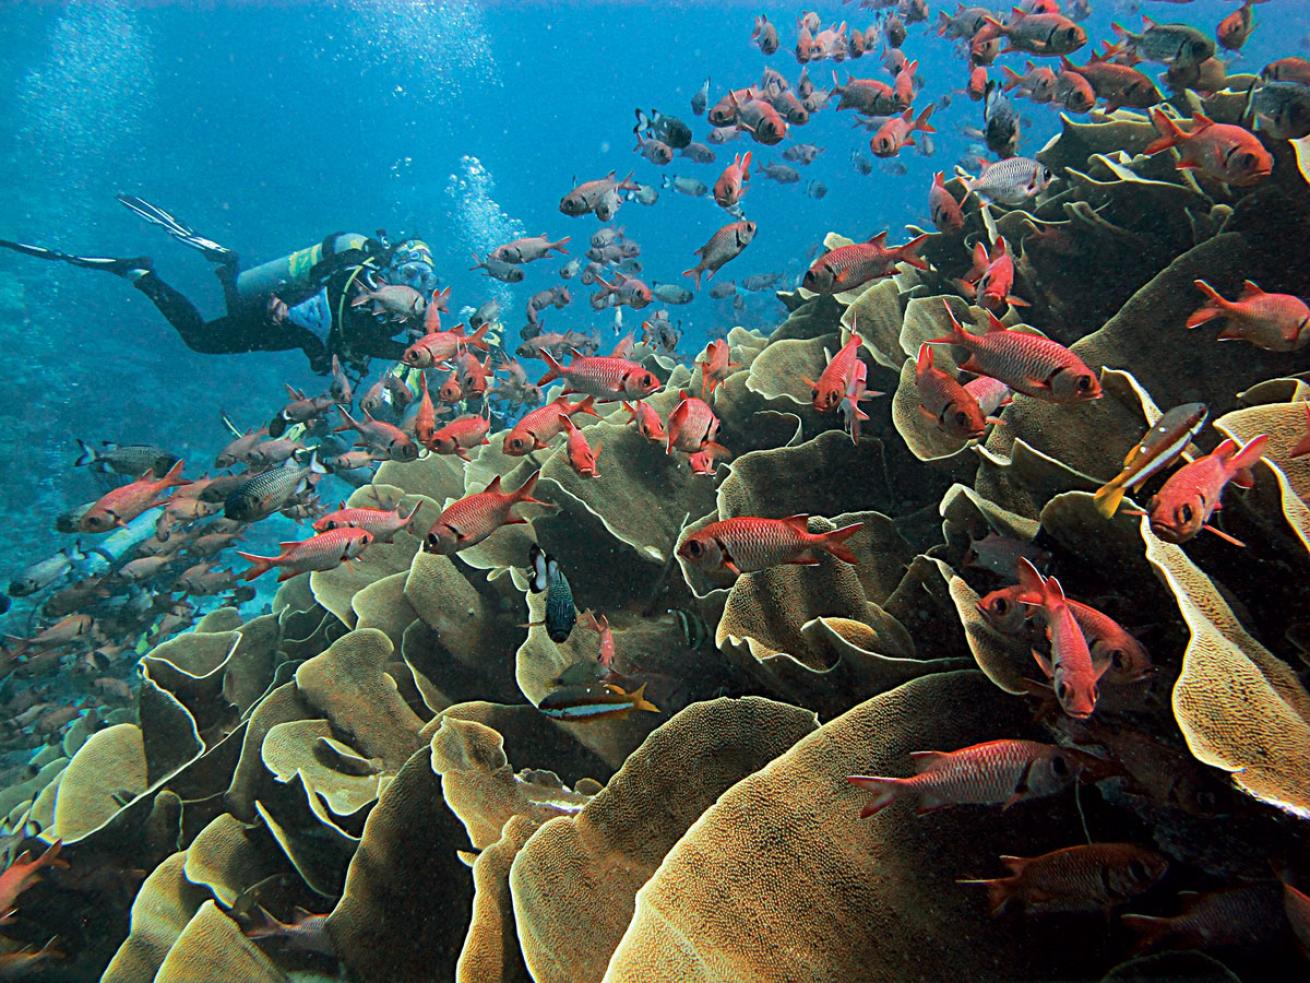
583, 703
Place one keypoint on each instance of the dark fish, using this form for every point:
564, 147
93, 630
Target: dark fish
666, 129
1282, 109
132, 460
701, 99
580, 703
761, 281
544, 574
695, 632
1169, 44
1158, 448
1002, 123
816, 189
267, 492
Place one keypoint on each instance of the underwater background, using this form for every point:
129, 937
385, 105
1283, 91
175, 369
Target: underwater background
379, 743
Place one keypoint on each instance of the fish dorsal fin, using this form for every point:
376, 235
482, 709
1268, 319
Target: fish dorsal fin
995, 324
1249, 290
879, 240
800, 522
1201, 122
925, 760
494, 486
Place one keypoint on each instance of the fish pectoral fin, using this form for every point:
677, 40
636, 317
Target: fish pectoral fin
1034, 383
1224, 536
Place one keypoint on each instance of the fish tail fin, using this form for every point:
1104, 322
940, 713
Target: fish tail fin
261, 565
478, 339
587, 406
1000, 891
694, 273
1012, 79
559, 245
1171, 134
1108, 499
639, 701
885, 792
87, 455
834, 542
1215, 305
922, 123
556, 371
173, 479
1150, 930
909, 253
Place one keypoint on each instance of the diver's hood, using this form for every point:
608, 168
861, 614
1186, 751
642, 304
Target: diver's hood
411, 264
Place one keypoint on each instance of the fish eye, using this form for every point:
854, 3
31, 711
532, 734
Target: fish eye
1186, 513
1061, 691
432, 539
1001, 605
1137, 870
814, 393
694, 547
1117, 659
1059, 765
962, 418
1084, 383
1245, 160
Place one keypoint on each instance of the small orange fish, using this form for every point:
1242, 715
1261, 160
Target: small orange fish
848, 267
601, 626
947, 215
438, 304
1184, 504
425, 420
648, 421
715, 367
122, 505
1070, 669
705, 460
943, 401
540, 426
899, 132
460, 436
441, 346
582, 456
326, 551
382, 524
1090, 876
1274, 322
749, 543
1000, 773
378, 435
692, 425
605, 378
991, 279
1248, 915
1220, 151
24, 873
731, 185
827, 393
451, 391
475, 517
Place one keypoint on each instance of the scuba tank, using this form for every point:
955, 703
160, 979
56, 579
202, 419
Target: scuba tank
298, 274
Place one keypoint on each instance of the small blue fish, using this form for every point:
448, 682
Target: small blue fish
582, 703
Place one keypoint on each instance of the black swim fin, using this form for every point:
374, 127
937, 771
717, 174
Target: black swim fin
178, 229
130, 268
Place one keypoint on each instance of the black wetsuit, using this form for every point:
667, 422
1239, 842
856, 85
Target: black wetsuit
355, 334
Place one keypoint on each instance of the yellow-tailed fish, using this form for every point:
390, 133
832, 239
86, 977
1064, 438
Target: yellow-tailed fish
1158, 448
582, 703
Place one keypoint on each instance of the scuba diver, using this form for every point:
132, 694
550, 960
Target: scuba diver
302, 300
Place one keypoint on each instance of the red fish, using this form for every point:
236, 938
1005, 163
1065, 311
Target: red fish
1030, 364
451, 391
425, 420
1251, 914
539, 427
24, 873
472, 373
1184, 504
724, 246
731, 185
437, 305
830, 389
326, 551
582, 456
705, 460
1274, 322
1090, 876
848, 267
441, 346
749, 543
475, 517
605, 378
459, 436
601, 626
379, 435
122, 505
715, 367
692, 424
947, 404
995, 773
1218, 150
850, 404
992, 277
899, 132
903, 87
648, 421
382, 524
946, 212
1070, 668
